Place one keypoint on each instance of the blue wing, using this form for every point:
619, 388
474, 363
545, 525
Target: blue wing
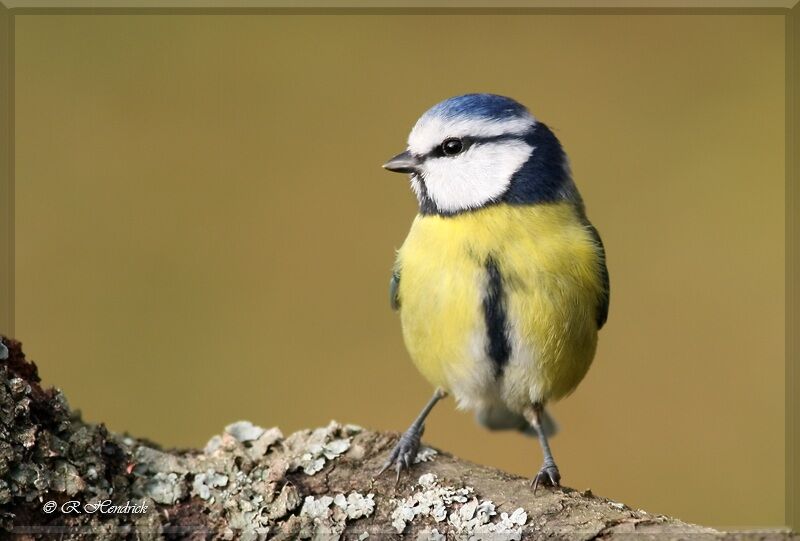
602, 307
394, 284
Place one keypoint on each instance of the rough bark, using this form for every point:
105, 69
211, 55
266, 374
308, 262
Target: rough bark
252, 483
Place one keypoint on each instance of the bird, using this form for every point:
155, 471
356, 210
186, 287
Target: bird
501, 284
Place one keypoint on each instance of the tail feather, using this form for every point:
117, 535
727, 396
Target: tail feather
498, 417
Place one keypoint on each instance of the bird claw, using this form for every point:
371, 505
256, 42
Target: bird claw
404, 453
548, 475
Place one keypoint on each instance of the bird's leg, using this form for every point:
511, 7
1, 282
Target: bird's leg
406, 449
548, 473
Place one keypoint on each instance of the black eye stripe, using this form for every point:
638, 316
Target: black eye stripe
468, 141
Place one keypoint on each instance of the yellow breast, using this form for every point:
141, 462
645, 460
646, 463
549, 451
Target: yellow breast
550, 267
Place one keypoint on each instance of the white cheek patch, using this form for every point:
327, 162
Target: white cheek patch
416, 186
429, 132
476, 177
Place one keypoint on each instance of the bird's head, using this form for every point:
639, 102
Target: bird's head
478, 149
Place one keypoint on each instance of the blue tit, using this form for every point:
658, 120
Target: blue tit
501, 284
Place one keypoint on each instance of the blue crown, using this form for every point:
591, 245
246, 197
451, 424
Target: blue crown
478, 106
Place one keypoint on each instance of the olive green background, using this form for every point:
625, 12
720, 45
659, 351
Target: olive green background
203, 232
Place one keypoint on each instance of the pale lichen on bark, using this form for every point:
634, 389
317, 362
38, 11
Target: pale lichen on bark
255, 483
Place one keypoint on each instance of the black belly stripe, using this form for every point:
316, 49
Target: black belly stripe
494, 313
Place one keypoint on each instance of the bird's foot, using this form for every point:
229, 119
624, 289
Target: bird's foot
548, 475
404, 453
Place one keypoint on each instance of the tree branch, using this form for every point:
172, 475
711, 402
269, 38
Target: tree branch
252, 483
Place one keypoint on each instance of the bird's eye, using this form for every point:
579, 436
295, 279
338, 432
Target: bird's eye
452, 146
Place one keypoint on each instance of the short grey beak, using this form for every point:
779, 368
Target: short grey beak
405, 162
